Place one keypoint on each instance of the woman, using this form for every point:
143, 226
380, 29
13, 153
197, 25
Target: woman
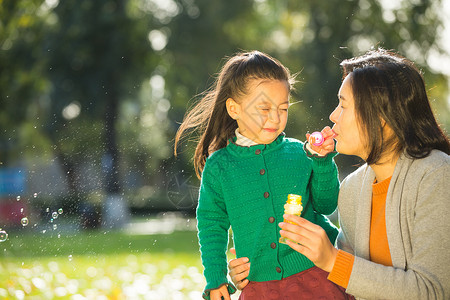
394, 241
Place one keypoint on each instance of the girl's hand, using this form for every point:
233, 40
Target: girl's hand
239, 270
328, 144
220, 293
310, 240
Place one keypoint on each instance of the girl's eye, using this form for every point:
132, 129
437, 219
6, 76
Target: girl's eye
284, 109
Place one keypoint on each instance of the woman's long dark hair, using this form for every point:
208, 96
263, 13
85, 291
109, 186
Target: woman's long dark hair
210, 117
389, 88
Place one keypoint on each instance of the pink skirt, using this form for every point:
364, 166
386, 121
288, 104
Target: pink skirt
309, 284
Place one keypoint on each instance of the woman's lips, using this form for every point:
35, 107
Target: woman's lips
270, 129
334, 133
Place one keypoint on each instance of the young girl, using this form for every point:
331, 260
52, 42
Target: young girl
248, 167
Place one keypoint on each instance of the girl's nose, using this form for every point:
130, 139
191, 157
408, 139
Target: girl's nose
274, 116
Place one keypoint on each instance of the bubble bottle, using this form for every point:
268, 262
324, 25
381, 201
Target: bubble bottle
293, 206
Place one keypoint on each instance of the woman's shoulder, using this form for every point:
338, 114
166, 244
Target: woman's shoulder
434, 161
356, 176
436, 158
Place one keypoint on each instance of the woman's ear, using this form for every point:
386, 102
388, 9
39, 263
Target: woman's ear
233, 108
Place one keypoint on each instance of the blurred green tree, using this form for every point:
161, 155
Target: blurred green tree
21, 83
98, 53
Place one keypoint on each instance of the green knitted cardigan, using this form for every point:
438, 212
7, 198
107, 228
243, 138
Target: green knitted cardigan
246, 188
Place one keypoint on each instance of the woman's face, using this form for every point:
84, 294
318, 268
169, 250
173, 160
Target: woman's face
349, 139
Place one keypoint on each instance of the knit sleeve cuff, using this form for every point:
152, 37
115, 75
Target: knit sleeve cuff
316, 156
207, 293
311, 151
342, 269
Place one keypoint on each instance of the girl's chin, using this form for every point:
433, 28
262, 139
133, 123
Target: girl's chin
266, 141
268, 137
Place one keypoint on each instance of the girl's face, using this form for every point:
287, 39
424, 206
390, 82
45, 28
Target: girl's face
261, 114
349, 139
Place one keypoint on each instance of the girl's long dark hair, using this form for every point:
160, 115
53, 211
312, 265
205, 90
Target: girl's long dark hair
389, 88
209, 117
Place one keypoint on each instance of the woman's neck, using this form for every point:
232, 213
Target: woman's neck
385, 169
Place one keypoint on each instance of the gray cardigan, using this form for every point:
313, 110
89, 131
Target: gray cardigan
417, 225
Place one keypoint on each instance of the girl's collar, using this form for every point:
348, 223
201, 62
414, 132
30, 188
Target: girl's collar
252, 150
242, 140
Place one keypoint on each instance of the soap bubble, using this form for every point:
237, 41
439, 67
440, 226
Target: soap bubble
47, 210
55, 226
35, 195
24, 221
60, 211
3, 236
18, 198
54, 215
70, 257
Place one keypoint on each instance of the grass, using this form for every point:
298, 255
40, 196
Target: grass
93, 243
100, 265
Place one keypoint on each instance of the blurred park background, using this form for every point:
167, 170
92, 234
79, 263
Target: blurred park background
93, 203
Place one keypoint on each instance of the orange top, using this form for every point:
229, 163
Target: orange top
378, 243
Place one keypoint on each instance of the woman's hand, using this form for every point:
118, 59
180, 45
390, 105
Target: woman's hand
239, 270
220, 293
328, 144
310, 240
